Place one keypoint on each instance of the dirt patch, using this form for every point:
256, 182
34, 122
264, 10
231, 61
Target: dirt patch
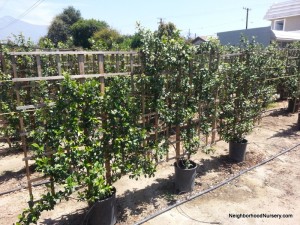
271, 188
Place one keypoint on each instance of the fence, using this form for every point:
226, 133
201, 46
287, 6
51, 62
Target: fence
30, 69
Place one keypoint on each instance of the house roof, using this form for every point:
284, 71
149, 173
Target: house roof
283, 10
286, 35
198, 40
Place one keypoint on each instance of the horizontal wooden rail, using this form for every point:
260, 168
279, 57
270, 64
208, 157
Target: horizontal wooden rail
74, 53
84, 76
26, 107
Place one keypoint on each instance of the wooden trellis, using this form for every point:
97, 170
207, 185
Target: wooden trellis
84, 65
50, 67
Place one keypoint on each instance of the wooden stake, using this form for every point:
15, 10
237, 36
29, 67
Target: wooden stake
156, 133
177, 142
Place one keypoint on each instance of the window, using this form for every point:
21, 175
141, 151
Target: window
278, 24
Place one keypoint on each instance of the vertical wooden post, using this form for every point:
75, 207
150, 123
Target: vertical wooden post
14, 66
156, 132
214, 123
101, 63
199, 120
101, 71
117, 63
22, 128
167, 138
38, 65
2, 59
143, 118
81, 63
58, 64
131, 72
177, 142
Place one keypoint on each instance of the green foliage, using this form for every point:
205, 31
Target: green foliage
108, 36
167, 30
97, 137
244, 91
136, 41
7, 94
86, 129
60, 28
83, 29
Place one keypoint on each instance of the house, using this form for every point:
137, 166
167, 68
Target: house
262, 35
285, 26
285, 21
198, 40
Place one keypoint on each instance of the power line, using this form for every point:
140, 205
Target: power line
36, 4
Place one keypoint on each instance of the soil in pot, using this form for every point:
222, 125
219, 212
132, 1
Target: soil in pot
185, 176
104, 212
237, 150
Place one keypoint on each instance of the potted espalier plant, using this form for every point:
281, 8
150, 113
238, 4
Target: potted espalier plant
95, 139
167, 57
242, 98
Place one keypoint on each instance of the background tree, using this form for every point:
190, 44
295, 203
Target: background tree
108, 36
168, 30
60, 28
83, 30
136, 41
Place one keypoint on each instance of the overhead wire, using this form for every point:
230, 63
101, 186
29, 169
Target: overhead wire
32, 7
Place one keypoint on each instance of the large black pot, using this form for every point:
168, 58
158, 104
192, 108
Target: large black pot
292, 105
185, 178
104, 212
237, 150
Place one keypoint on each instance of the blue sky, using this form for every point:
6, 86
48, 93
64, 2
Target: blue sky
199, 17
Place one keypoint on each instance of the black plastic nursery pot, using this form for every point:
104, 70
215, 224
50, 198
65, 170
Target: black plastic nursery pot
104, 212
237, 150
292, 105
185, 178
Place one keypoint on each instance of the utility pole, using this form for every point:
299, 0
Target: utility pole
247, 14
161, 20
189, 34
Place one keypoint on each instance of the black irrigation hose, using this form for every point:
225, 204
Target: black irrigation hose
23, 187
215, 187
